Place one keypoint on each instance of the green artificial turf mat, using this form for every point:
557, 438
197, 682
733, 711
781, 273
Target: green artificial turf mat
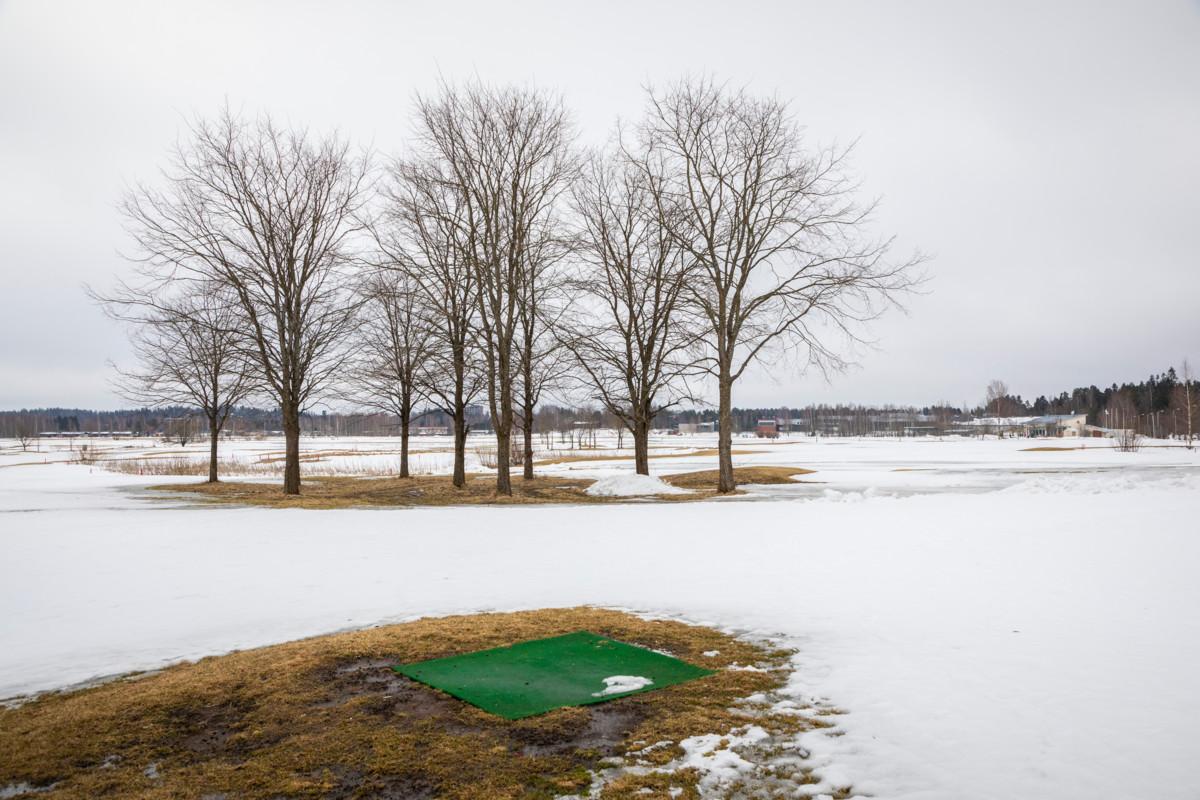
535, 677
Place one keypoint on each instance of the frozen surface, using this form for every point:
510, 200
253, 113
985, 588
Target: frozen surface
996, 622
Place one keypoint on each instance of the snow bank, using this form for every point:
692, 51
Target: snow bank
632, 485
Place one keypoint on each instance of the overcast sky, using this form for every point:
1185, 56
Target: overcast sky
1047, 154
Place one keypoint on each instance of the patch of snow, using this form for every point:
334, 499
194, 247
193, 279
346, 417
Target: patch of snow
711, 653
620, 684
22, 789
716, 758
631, 484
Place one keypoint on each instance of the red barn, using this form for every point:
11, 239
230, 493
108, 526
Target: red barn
767, 429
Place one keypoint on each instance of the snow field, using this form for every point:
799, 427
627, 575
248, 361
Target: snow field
994, 623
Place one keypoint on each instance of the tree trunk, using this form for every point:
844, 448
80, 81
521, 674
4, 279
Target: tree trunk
404, 421
641, 447
502, 421
527, 434
503, 479
460, 447
725, 482
213, 431
1187, 399
291, 464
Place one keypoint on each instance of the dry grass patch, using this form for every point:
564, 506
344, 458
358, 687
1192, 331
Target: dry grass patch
418, 490
1049, 449
327, 717
324, 492
707, 479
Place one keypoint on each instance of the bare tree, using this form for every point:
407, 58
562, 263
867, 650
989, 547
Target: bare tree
420, 233
271, 215
507, 152
394, 341
1121, 415
773, 229
190, 352
542, 361
1183, 401
25, 433
631, 342
997, 400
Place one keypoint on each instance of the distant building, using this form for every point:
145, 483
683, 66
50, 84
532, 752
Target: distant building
432, 430
1045, 425
766, 429
1058, 425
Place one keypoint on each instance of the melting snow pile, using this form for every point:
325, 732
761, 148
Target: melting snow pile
632, 485
620, 684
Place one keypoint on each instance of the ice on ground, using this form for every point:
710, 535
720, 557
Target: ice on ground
631, 484
620, 684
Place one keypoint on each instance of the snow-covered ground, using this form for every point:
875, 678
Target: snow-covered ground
996, 623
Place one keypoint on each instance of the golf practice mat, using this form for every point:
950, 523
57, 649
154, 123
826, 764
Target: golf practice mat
534, 677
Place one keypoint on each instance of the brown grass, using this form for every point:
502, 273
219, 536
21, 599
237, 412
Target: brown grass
439, 490
326, 717
1048, 449
707, 479
419, 490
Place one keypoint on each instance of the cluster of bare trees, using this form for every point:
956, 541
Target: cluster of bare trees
495, 260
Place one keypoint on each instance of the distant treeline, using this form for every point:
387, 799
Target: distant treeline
1157, 401
1157, 405
249, 421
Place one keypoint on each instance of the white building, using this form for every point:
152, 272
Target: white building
1045, 425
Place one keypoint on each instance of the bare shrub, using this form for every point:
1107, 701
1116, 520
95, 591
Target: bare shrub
87, 455
487, 457
1127, 440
